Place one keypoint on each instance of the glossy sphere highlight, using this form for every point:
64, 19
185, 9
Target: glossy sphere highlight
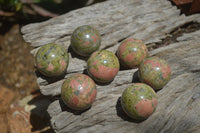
132, 52
155, 72
78, 92
139, 101
85, 40
52, 60
103, 66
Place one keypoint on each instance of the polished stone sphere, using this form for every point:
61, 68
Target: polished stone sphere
139, 101
85, 40
155, 72
78, 92
103, 66
132, 52
52, 60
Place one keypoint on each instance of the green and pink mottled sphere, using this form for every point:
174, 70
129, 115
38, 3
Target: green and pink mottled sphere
52, 60
85, 40
139, 101
132, 52
78, 92
155, 72
103, 66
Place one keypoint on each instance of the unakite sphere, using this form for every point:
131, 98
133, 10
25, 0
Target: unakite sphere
103, 66
85, 40
155, 72
132, 52
52, 60
78, 92
139, 101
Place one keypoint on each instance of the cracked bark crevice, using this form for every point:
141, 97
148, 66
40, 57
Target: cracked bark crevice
172, 36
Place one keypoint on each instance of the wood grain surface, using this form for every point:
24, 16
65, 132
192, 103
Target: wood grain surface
151, 21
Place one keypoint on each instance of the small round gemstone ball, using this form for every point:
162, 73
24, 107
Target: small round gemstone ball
85, 40
103, 66
78, 92
155, 72
139, 101
132, 52
52, 60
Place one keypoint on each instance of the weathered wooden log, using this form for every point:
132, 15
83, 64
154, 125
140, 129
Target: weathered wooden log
177, 110
117, 20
